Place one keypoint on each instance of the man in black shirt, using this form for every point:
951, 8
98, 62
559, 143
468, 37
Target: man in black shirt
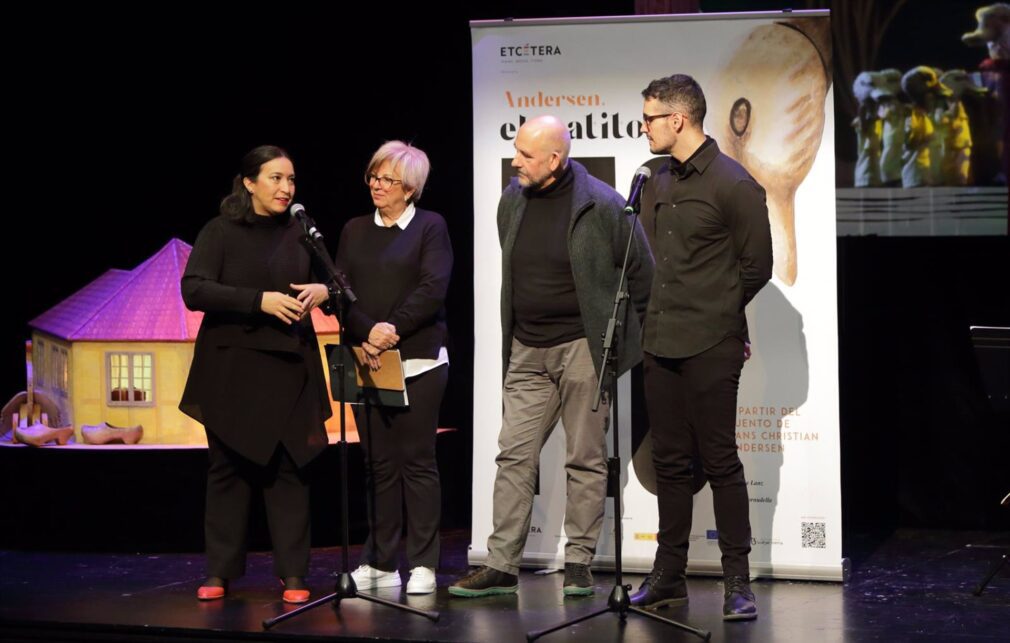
707, 224
563, 235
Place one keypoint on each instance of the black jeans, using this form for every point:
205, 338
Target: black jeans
402, 473
692, 409
231, 482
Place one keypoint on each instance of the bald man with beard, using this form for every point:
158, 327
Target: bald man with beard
563, 235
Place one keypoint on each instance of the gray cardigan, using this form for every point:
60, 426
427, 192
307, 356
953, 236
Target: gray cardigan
597, 236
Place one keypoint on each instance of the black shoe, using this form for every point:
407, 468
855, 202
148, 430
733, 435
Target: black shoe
578, 580
485, 581
738, 603
661, 589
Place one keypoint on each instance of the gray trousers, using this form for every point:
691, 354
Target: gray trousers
541, 386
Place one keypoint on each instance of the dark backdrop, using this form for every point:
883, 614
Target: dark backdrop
127, 128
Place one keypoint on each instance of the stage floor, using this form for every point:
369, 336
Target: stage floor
913, 585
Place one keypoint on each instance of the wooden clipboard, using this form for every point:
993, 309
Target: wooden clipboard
360, 385
389, 377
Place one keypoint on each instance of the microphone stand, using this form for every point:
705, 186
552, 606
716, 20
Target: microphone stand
619, 600
340, 296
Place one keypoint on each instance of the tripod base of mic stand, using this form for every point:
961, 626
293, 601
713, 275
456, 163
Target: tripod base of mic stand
343, 590
620, 603
997, 565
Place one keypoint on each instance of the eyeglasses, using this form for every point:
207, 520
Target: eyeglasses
647, 119
385, 182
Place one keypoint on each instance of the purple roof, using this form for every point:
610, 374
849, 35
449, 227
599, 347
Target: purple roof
143, 304
140, 305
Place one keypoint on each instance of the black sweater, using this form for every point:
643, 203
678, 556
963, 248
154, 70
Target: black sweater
275, 392
400, 277
543, 289
232, 264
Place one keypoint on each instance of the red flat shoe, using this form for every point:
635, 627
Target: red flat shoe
212, 589
295, 590
296, 596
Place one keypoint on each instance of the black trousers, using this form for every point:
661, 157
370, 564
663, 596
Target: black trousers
692, 409
231, 482
402, 474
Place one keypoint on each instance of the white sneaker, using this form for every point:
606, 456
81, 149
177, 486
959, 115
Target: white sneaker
422, 581
367, 577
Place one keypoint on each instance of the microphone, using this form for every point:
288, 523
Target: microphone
298, 212
642, 175
315, 239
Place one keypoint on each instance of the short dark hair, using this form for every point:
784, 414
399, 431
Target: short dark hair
679, 91
238, 205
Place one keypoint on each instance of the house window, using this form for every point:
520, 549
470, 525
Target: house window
57, 376
39, 364
131, 379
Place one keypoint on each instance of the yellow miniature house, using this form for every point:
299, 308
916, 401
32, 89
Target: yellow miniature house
119, 351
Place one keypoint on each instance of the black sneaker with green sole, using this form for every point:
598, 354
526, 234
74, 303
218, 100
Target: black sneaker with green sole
485, 581
578, 580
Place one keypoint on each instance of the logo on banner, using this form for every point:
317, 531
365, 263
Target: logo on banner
711, 534
528, 51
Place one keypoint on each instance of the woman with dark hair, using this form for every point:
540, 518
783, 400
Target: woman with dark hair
256, 382
399, 260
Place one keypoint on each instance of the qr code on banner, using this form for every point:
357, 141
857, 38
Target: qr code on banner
813, 535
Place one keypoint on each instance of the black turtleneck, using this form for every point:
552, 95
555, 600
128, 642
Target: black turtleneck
544, 301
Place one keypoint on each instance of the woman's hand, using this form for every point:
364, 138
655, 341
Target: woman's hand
383, 336
283, 307
372, 356
310, 296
